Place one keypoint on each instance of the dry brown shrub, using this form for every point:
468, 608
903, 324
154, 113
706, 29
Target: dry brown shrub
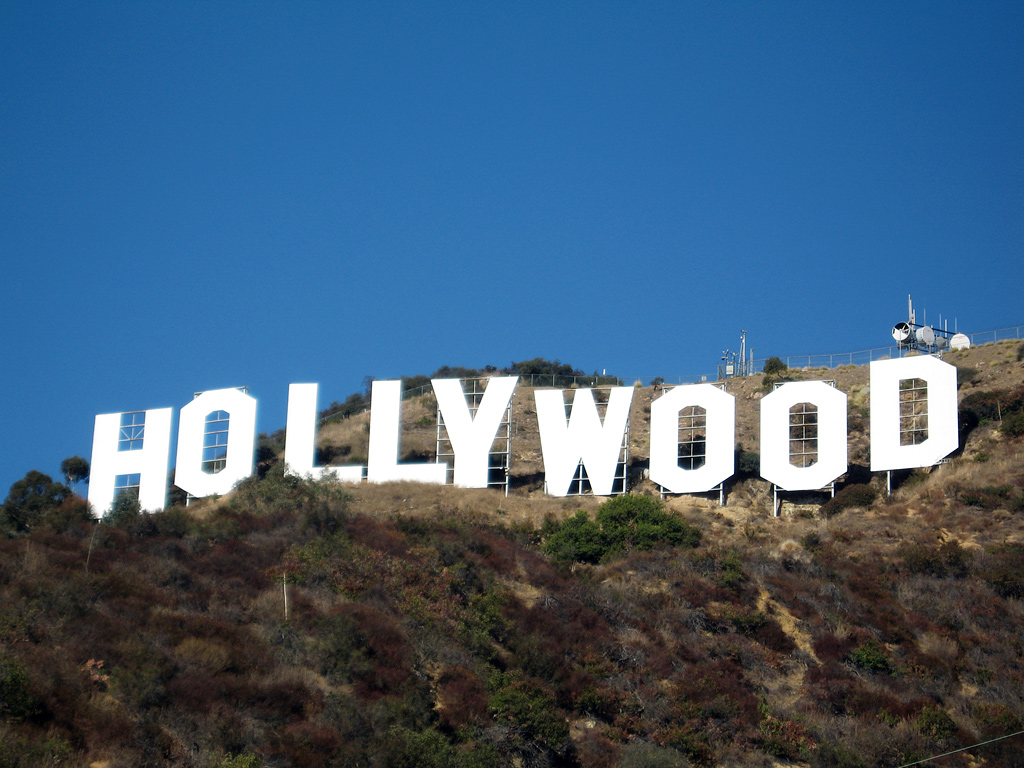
461, 699
940, 646
207, 655
594, 750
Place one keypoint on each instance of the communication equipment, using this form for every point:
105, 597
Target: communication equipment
959, 341
901, 332
737, 363
911, 335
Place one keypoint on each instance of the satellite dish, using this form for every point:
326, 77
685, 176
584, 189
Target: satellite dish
925, 335
901, 332
941, 342
960, 341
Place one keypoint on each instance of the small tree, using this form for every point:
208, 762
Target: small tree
75, 469
748, 463
125, 509
30, 498
774, 366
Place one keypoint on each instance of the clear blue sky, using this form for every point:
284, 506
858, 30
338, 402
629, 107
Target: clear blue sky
200, 195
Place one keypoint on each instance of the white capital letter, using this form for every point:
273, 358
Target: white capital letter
719, 436
385, 426
473, 436
584, 437
775, 436
194, 444
943, 438
300, 438
142, 447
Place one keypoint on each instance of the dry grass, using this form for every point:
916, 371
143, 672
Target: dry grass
414, 499
747, 500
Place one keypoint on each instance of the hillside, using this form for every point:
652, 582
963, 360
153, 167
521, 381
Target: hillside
986, 368
295, 623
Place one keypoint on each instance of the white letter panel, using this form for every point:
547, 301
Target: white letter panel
720, 434
832, 461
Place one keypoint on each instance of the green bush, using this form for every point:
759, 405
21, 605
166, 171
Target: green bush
996, 720
747, 623
621, 524
988, 497
244, 760
173, 521
641, 754
835, 756
518, 700
774, 365
406, 748
730, 573
16, 701
810, 541
1013, 424
18, 751
946, 560
783, 738
748, 463
1005, 570
851, 496
577, 538
323, 503
872, 656
936, 723
981, 407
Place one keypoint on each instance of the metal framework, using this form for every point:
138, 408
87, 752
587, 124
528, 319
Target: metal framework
500, 455
215, 441
913, 411
692, 445
803, 435
737, 363
693, 441
580, 485
912, 336
913, 418
132, 432
803, 444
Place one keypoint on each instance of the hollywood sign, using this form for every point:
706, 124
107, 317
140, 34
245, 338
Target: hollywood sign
131, 445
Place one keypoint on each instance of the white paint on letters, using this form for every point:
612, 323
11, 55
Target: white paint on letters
584, 437
150, 461
565, 442
188, 464
385, 426
300, 438
720, 433
832, 460
943, 438
472, 436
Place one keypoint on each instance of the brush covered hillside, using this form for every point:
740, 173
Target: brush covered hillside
307, 624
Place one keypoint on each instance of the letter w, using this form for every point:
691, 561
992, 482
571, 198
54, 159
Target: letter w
581, 438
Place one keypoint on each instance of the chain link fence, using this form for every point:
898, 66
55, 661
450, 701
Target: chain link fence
830, 360
862, 357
